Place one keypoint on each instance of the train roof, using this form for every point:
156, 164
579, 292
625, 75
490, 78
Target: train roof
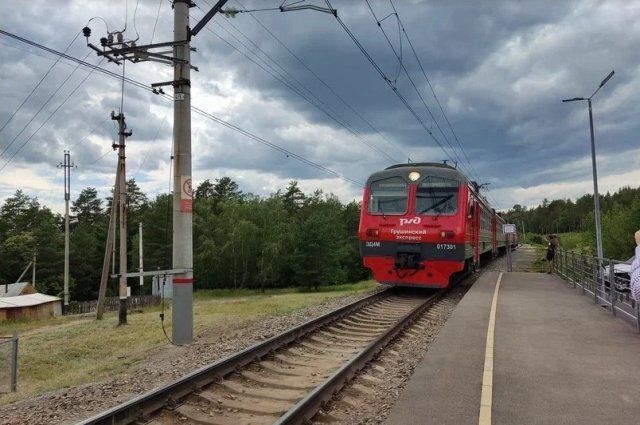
424, 168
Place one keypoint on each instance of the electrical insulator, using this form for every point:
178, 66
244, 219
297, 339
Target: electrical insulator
86, 31
110, 39
103, 41
120, 37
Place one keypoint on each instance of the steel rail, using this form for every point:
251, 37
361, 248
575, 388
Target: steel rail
305, 409
171, 393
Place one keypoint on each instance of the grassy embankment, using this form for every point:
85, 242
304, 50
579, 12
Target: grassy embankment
63, 352
571, 241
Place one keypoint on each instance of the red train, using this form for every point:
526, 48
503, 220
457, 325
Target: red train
423, 223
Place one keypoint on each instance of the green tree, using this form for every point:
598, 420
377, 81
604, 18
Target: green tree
88, 207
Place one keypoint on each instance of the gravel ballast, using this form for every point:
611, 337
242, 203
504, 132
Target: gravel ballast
166, 364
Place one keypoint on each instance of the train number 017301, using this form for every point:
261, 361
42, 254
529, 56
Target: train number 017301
445, 246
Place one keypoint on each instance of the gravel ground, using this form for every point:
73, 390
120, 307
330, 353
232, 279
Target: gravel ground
166, 364
371, 395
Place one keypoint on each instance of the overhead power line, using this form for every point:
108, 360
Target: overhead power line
415, 54
39, 82
413, 84
389, 82
51, 96
48, 118
325, 84
285, 78
199, 111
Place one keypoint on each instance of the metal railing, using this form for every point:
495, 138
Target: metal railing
8, 363
597, 277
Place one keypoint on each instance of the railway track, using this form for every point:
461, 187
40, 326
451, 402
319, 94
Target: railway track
285, 379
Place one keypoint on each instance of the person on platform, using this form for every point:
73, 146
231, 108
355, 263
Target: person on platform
552, 244
634, 273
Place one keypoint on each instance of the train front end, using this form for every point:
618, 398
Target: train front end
412, 225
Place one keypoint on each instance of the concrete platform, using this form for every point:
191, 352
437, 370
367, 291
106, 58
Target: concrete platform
557, 360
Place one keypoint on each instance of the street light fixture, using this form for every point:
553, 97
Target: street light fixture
596, 195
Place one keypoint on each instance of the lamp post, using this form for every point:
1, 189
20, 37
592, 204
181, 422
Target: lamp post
596, 195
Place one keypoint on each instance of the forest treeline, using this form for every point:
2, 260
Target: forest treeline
620, 219
289, 238
240, 240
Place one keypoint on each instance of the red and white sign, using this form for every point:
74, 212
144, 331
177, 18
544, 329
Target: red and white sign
186, 195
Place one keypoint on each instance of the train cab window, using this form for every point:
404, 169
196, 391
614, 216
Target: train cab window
437, 195
388, 196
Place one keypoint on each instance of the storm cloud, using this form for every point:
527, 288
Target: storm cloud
500, 70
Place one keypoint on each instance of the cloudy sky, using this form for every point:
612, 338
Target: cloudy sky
499, 70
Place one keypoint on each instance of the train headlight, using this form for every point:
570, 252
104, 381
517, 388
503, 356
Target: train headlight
414, 175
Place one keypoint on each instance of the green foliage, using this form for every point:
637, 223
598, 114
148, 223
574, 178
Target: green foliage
574, 222
241, 242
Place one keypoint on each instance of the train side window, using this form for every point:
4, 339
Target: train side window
388, 196
437, 195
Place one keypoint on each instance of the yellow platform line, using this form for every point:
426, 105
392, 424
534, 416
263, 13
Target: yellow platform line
486, 399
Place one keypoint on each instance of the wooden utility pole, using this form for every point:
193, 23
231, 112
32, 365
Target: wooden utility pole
108, 248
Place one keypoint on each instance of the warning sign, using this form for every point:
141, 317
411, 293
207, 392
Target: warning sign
186, 194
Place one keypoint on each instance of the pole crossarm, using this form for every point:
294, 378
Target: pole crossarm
207, 17
154, 273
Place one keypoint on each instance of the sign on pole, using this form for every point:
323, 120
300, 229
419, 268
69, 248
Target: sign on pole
508, 229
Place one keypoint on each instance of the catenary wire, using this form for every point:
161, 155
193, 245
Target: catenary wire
389, 82
318, 103
413, 84
326, 85
415, 54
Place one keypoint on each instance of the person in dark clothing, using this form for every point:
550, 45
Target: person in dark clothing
552, 244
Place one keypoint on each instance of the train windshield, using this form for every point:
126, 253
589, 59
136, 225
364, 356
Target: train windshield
388, 196
437, 195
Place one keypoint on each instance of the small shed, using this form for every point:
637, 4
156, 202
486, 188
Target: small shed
15, 289
34, 306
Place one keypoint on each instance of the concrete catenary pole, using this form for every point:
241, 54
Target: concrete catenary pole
122, 216
66, 165
140, 254
182, 303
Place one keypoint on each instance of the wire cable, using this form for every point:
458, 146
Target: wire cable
199, 111
153, 33
325, 84
135, 12
389, 82
415, 54
39, 82
41, 108
424, 103
48, 118
318, 103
